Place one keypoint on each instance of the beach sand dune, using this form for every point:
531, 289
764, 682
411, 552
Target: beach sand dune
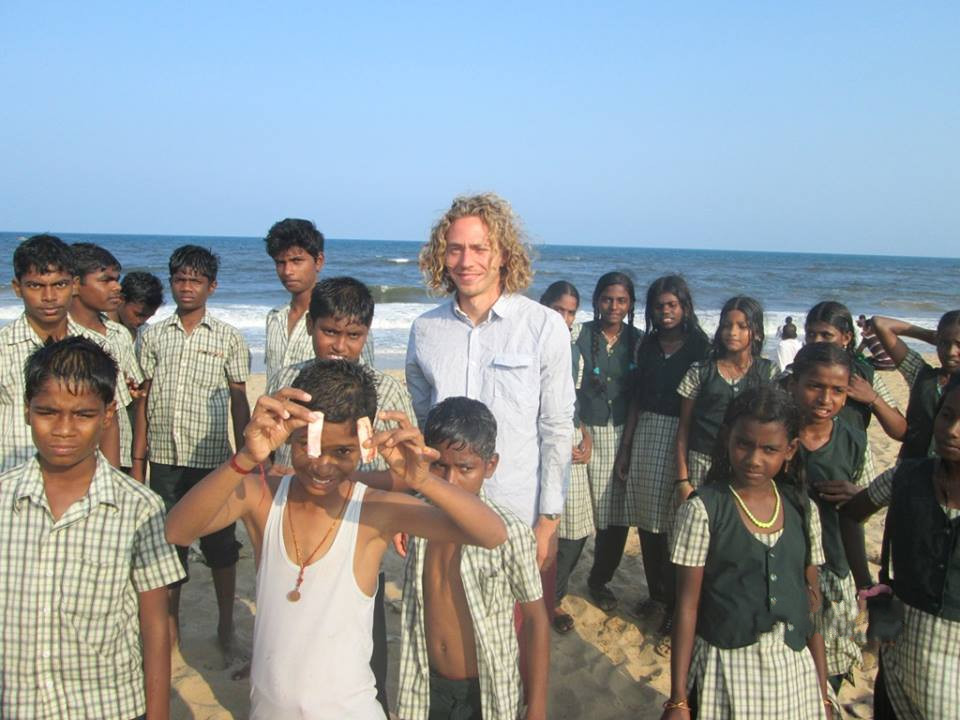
607, 668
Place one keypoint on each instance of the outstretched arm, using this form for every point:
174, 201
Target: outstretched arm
227, 494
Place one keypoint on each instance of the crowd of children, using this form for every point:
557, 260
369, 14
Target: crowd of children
747, 481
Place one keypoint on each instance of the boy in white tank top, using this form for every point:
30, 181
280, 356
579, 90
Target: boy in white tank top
319, 537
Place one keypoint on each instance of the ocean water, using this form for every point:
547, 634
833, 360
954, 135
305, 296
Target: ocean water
916, 289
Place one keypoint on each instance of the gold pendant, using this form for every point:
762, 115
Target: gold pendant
293, 595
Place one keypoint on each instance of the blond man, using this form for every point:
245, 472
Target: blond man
492, 344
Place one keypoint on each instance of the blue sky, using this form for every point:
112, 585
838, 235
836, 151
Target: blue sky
803, 126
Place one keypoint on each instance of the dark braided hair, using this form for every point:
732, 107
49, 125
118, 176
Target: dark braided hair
608, 280
837, 315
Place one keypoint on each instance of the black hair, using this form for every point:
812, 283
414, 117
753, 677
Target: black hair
293, 232
464, 424
342, 297
789, 331
90, 258
819, 353
948, 320
80, 364
953, 382
837, 315
677, 286
788, 320
608, 280
193, 257
753, 311
765, 404
42, 254
142, 287
557, 290
343, 391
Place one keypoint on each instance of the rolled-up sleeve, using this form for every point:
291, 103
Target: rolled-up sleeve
417, 384
557, 399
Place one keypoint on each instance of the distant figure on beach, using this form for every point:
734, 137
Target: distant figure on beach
787, 347
787, 322
869, 341
296, 247
490, 343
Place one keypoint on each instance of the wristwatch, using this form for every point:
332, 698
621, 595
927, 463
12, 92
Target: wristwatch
550, 516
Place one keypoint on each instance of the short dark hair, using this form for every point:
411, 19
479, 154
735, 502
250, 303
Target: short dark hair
820, 353
80, 364
464, 424
341, 390
789, 332
42, 254
90, 258
343, 297
142, 287
193, 257
294, 232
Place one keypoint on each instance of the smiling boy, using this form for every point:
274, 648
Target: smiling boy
85, 565
195, 368
319, 536
459, 652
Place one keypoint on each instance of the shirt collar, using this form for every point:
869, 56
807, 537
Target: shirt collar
30, 485
22, 331
174, 321
502, 308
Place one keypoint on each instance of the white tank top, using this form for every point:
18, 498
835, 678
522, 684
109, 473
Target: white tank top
311, 659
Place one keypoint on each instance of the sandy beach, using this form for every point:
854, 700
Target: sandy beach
606, 668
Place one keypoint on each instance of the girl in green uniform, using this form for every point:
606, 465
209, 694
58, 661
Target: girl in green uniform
735, 364
746, 546
576, 521
832, 450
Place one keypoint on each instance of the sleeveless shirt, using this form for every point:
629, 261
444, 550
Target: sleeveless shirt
311, 659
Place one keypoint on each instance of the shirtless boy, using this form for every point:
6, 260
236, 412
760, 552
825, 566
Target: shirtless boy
319, 536
459, 652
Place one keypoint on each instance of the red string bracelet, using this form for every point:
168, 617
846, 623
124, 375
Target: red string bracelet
235, 466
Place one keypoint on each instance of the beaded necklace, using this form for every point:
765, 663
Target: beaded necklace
294, 595
766, 525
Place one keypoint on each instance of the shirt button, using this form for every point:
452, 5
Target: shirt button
773, 601
789, 626
773, 578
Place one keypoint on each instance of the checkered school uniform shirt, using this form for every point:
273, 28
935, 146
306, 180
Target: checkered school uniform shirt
391, 396
493, 580
69, 624
189, 400
119, 344
283, 349
18, 340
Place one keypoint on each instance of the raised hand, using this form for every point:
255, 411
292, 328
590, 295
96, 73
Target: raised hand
404, 450
274, 418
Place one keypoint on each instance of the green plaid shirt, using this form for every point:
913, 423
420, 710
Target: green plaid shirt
189, 400
392, 396
18, 340
493, 580
119, 344
70, 630
283, 349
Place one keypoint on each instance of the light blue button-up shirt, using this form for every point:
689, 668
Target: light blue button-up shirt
517, 362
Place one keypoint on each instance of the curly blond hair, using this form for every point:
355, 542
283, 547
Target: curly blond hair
503, 228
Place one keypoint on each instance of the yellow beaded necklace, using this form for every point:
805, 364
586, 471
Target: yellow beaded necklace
753, 518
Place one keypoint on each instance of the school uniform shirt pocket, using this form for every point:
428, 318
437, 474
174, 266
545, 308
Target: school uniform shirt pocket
92, 600
209, 367
516, 379
496, 594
